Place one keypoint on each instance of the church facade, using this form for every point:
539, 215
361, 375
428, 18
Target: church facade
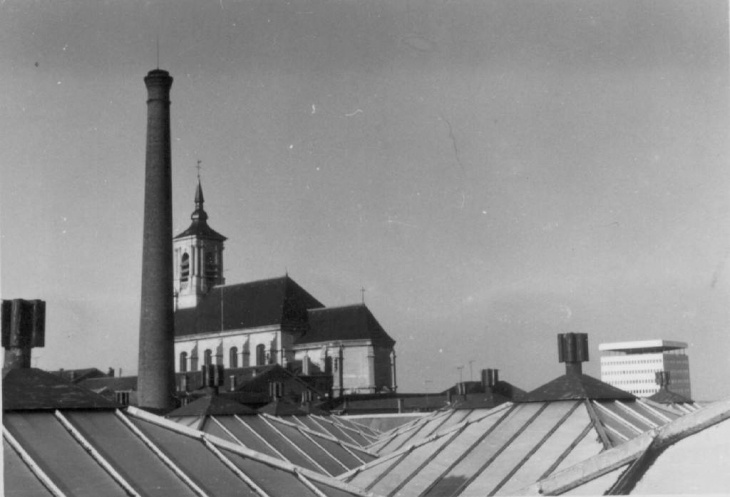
273, 321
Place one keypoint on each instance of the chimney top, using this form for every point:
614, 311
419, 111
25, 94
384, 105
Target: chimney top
23, 328
573, 350
158, 75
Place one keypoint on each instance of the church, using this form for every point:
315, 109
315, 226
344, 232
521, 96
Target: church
266, 322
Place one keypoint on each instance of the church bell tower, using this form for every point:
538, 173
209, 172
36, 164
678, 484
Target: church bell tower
198, 257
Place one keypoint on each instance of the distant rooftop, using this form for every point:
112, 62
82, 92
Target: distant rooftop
643, 346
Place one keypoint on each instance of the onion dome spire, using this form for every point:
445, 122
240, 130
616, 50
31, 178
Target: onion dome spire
199, 227
199, 213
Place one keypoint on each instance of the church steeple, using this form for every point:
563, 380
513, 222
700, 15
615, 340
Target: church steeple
199, 213
198, 254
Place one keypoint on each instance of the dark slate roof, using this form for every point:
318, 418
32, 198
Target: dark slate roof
503, 388
276, 301
574, 387
665, 396
78, 375
485, 400
388, 403
118, 384
282, 407
200, 229
352, 322
267, 374
211, 405
34, 389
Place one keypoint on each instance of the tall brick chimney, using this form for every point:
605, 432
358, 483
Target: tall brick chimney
156, 380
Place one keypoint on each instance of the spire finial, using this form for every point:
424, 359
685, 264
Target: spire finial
362, 291
199, 200
158, 51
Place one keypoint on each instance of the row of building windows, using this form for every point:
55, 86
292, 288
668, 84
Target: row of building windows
631, 382
635, 361
644, 391
674, 373
262, 358
644, 381
631, 371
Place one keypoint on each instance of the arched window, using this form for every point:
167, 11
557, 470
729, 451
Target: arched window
208, 357
185, 268
260, 354
183, 362
233, 358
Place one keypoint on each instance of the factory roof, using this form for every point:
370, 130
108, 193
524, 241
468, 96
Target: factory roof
285, 439
687, 456
131, 452
483, 452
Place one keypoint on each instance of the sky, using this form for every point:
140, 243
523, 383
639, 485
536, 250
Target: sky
492, 173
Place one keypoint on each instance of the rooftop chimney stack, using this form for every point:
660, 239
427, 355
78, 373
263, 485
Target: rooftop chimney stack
662, 379
213, 377
573, 351
156, 381
276, 390
23, 327
490, 377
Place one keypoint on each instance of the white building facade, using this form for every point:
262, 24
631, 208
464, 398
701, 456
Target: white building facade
267, 322
632, 366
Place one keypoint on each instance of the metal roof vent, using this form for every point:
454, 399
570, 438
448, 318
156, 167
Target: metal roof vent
573, 351
23, 328
213, 377
490, 378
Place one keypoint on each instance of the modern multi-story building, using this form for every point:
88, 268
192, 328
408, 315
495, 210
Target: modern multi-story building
632, 366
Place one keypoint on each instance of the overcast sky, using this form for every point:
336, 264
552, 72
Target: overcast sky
492, 173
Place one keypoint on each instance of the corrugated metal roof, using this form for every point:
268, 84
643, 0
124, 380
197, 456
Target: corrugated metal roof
687, 456
92, 453
495, 451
